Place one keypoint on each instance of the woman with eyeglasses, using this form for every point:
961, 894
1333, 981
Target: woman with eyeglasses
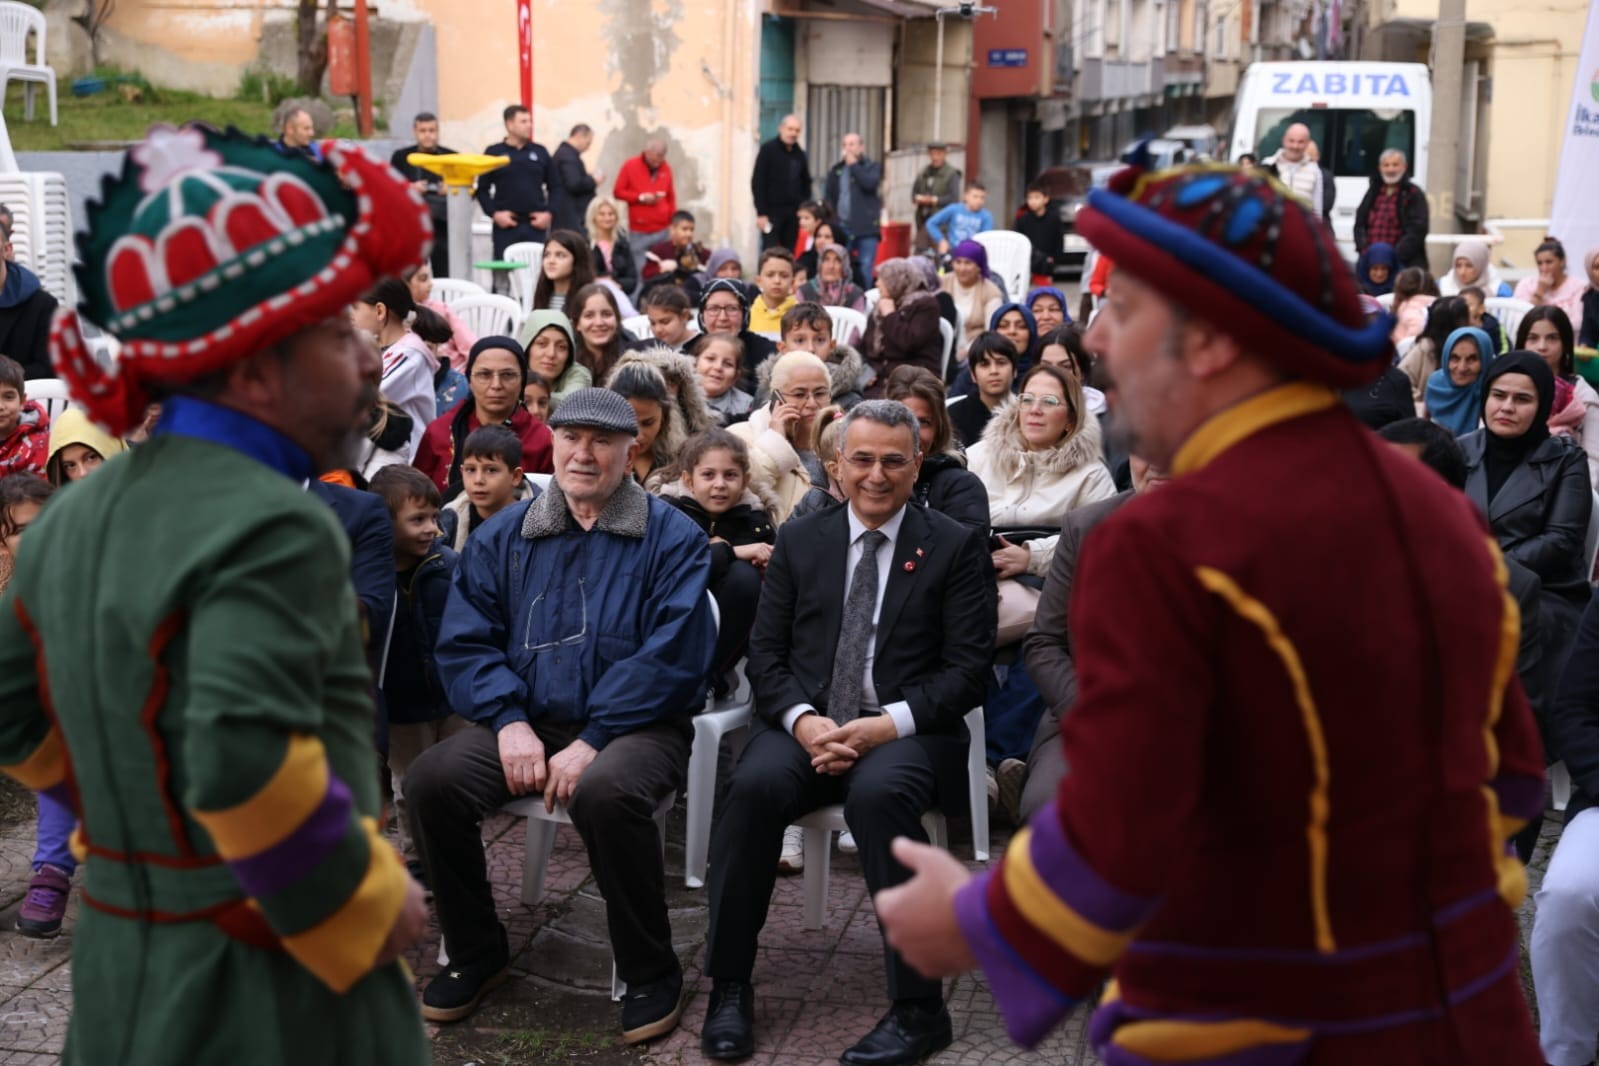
781, 435
1039, 458
725, 308
496, 370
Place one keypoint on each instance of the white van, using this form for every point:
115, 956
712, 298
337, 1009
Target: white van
1355, 112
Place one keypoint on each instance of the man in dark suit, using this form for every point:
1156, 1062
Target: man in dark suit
872, 641
425, 128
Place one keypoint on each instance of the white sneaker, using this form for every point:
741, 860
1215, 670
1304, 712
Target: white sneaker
846, 843
793, 857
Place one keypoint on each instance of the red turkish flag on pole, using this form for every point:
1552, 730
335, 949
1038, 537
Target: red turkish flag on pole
524, 38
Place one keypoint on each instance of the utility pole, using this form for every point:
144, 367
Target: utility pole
1443, 146
967, 11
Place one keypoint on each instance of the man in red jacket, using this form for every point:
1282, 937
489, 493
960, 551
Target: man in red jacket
1299, 746
644, 183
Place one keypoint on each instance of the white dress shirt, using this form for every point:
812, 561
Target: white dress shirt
899, 711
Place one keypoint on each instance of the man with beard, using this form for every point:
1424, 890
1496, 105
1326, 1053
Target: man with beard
180, 650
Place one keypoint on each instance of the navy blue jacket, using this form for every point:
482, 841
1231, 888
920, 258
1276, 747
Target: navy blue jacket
411, 688
608, 627
365, 519
527, 184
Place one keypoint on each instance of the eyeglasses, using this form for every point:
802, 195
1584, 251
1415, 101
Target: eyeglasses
489, 377
723, 312
799, 396
889, 463
564, 642
1027, 399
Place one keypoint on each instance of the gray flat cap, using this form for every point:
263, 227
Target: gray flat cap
596, 409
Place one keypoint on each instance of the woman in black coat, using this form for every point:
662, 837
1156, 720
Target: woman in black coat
944, 484
1534, 489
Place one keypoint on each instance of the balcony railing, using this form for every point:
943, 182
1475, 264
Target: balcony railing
1116, 79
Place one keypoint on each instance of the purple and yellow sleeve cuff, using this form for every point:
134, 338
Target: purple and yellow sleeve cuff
1061, 870
1028, 1004
342, 948
46, 767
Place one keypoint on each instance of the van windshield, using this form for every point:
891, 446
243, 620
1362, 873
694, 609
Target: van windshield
1350, 139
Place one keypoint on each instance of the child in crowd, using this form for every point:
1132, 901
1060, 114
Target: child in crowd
1477, 310
24, 425
774, 276
1375, 269
418, 708
810, 214
807, 327
961, 222
456, 349
718, 365
1414, 292
671, 315
829, 432
491, 479
993, 362
22, 497
77, 447
536, 395
1039, 222
449, 383
710, 482
675, 260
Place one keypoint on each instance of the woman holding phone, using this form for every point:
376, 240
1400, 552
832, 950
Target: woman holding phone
781, 435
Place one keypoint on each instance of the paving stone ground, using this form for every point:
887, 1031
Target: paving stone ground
817, 991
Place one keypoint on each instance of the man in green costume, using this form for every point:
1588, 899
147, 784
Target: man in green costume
180, 648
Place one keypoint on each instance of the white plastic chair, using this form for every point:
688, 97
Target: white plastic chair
490, 315
948, 333
51, 394
638, 326
1387, 301
538, 481
1559, 786
523, 281
1509, 311
1010, 255
872, 296
718, 720
849, 325
448, 290
822, 823
17, 21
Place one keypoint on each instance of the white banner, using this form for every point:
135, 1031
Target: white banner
1575, 218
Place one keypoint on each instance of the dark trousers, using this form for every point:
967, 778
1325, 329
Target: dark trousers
884, 796
785, 228
452, 785
439, 260
736, 594
522, 231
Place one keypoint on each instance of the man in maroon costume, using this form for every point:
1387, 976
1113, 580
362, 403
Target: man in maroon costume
1284, 825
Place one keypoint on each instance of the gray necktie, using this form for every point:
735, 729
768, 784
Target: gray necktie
854, 636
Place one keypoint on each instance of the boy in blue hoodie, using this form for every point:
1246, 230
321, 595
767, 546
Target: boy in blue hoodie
418, 710
962, 221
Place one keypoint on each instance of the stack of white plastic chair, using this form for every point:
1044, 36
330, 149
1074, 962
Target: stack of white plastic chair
41, 235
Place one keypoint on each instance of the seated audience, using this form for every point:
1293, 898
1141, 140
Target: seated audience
944, 483
666, 398
976, 297
551, 346
597, 318
1048, 306
774, 282
496, 372
902, 329
781, 434
566, 266
385, 312
1063, 347
675, 260
1454, 391
671, 318
1039, 459
578, 639
1375, 269
1588, 335
1048, 651
863, 709
459, 345
1471, 265
26, 311
491, 480
1477, 315
829, 431
1534, 490
536, 395
710, 482
1552, 285
1547, 333
613, 254
807, 327
725, 308
832, 286
718, 367
1411, 300
991, 363
77, 447
24, 424
1447, 314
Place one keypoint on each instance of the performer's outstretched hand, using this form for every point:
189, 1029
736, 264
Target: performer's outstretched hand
919, 916
409, 926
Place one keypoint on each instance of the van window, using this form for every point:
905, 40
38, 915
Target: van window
1350, 139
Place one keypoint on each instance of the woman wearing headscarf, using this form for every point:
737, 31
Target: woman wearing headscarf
1534, 489
550, 343
1376, 268
1472, 266
1014, 322
832, 287
1454, 391
903, 327
725, 308
1447, 314
976, 297
496, 370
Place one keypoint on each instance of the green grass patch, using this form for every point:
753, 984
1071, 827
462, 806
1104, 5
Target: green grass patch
124, 111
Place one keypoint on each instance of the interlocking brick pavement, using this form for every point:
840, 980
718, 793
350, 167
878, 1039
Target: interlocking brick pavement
816, 991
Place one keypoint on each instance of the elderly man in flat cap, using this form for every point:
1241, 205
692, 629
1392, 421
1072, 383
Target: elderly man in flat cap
578, 637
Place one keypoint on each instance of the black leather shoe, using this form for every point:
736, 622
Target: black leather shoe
729, 1031
907, 1034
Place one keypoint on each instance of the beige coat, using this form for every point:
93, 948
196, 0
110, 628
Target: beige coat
1028, 488
773, 462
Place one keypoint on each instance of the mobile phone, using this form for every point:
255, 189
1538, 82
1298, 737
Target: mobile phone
775, 402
